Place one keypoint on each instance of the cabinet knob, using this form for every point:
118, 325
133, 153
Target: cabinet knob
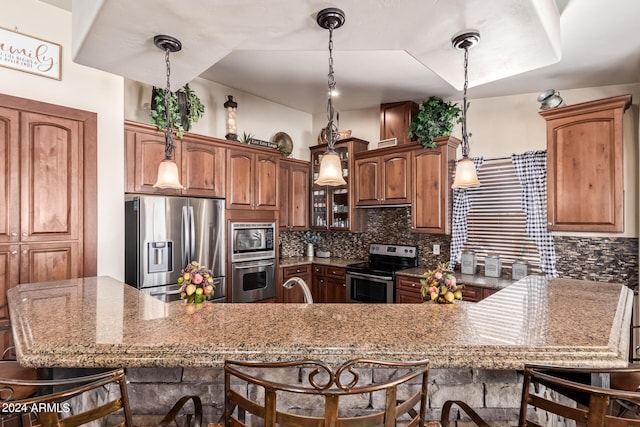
24, 234
24, 251
14, 252
14, 234
298, 270
344, 285
413, 285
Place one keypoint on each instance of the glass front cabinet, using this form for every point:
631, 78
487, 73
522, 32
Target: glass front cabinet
333, 208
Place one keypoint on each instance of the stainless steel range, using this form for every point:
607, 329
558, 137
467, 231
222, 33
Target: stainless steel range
374, 281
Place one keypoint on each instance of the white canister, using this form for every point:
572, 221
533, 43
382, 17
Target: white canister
492, 266
468, 263
309, 249
519, 269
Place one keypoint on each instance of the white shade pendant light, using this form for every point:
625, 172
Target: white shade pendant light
330, 165
168, 174
466, 175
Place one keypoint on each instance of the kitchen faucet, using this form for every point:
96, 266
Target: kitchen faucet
305, 288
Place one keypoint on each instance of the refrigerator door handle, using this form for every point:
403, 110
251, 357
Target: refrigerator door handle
184, 236
192, 235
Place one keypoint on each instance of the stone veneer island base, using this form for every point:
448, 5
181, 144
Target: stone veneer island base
475, 349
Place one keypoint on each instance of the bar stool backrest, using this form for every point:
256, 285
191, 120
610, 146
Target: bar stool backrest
258, 388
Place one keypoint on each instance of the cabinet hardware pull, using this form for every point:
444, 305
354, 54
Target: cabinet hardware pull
14, 234
24, 251
24, 233
413, 285
14, 252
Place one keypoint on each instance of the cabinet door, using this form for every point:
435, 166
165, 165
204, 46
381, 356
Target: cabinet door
9, 175
203, 169
148, 152
395, 118
319, 282
298, 198
408, 290
51, 178
295, 294
335, 290
240, 175
43, 262
266, 181
9, 277
585, 174
428, 213
367, 175
395, 173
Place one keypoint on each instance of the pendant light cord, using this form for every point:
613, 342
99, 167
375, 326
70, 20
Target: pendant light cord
332, 129
168, 137
465, 138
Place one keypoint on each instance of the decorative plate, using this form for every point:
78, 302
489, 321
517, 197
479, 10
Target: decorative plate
285, 143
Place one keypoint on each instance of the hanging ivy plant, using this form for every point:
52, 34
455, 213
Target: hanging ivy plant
435, 118
185, 109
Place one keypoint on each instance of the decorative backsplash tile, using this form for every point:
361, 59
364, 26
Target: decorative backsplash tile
588, 258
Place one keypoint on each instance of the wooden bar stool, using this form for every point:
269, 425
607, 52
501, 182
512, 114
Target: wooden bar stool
551, 392
54, 409
323, 387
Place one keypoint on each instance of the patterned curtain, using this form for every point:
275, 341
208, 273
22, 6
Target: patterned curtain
531, 168
461, 207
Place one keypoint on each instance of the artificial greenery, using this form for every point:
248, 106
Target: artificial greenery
435, 118
185, 109
246, 137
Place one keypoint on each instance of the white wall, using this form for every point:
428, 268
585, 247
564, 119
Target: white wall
258, 116
86, 89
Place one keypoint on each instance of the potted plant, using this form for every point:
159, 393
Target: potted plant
185, 108
311, 238
435, 118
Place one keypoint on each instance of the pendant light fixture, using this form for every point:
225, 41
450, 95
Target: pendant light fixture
168, 176
466, 175
330, 165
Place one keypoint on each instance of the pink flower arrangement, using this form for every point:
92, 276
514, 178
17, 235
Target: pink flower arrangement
440, 285
196, 283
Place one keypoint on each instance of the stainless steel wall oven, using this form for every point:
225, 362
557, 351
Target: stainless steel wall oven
253, 274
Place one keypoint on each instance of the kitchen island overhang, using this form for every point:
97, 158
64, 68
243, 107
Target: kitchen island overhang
101, 322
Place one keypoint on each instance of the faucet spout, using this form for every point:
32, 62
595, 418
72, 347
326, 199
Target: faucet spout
305, 288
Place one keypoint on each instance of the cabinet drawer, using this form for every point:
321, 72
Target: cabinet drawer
296, 270
409, 284
488, 291
336, 272
471, 293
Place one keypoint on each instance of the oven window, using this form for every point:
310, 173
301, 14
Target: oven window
254, 280
368, 291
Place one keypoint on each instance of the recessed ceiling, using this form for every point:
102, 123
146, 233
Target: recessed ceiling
387, 50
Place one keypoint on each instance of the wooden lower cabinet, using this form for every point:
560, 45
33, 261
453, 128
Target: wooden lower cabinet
329, 284
408, 290
295, 294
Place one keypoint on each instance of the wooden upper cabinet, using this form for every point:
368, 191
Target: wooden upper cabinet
9, 175
395, 118
251, 179
432, 170
51, 178
203, 169
143, 153
383, 177
201, 162
293, 194
585, 177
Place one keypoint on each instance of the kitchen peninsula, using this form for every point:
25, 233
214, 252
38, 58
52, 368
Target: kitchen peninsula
101, 322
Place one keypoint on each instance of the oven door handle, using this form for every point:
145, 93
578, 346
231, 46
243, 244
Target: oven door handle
369, 276
253, 264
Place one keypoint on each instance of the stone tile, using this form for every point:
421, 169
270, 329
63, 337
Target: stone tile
154, 375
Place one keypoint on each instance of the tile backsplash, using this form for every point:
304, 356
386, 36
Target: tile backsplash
605, 259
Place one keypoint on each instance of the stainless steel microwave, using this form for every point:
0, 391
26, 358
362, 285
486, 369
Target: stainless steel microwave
252, 241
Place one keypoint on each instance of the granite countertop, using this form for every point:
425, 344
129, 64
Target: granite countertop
301, 260
102, 322
465, 279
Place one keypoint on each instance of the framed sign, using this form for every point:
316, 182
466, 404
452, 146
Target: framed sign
30, 54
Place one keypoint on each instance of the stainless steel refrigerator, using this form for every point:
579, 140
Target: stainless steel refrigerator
163, 234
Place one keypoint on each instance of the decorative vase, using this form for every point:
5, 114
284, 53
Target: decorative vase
309, 249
